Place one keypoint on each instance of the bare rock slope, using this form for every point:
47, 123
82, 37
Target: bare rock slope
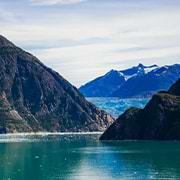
35, 98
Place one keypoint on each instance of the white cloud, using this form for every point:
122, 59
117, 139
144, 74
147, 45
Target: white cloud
83, 43
54, 2
89, 61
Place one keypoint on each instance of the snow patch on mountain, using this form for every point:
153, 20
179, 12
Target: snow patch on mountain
149, 69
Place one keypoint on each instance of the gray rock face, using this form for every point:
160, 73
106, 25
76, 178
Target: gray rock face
159, 120
35, 98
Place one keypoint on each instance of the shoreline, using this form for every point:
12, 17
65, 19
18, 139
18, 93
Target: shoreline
50, 133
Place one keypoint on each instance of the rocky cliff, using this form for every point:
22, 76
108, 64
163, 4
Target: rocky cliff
159, 120
35, 98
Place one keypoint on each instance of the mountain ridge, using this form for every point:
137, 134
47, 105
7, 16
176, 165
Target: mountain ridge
138, 81
36, 98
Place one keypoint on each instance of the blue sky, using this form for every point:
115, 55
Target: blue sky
82, 39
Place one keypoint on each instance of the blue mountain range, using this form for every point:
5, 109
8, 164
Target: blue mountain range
138, 81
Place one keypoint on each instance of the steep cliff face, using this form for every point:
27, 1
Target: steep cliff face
33, 97
159, 120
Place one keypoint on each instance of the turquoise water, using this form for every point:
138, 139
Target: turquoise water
116, 106
76, 157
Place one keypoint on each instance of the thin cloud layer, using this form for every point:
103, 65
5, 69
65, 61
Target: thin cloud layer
54, 2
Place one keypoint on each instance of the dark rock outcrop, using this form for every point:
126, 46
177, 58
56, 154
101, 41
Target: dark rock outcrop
159, 120
35, 98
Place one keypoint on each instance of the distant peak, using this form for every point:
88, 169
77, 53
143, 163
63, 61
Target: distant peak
112, 71
4, 42
140, 65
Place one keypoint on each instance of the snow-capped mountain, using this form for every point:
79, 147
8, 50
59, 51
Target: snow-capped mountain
138, 81
137, 71
103, 86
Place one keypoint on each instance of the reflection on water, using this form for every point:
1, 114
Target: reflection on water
84, 157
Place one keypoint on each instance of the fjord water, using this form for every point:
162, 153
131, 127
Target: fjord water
83, 156
116, 106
